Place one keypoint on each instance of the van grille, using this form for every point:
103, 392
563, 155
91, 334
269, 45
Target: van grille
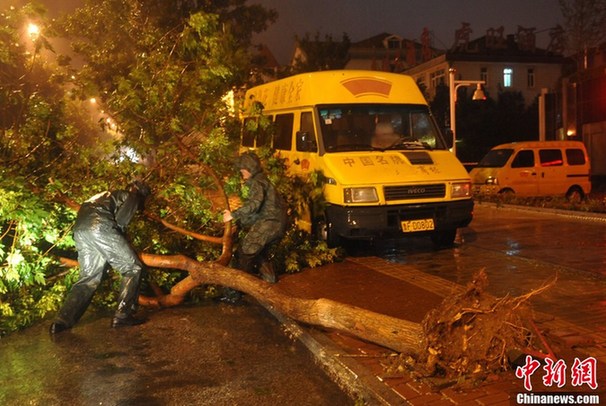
414, 192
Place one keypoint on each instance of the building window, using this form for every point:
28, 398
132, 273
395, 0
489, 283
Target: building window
531, 77
437, 78
421, 81
484, 75
507, 74
394, 43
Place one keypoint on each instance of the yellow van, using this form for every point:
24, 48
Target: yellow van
388, 171
534, 168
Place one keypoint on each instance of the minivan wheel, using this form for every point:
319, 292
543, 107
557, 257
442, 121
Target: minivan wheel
507, 193
575, 195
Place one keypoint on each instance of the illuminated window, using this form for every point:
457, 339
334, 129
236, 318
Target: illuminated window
531, 77
507, 74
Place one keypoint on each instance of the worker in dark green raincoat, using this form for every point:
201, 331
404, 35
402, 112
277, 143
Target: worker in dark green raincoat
262, 216
99, 234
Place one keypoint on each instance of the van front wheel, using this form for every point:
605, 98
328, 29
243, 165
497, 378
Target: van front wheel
323, 231
444, 238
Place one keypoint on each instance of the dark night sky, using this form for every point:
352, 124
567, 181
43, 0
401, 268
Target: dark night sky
361, 19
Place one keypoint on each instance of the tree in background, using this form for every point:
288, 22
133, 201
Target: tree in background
317, 54
585, 26
482, 125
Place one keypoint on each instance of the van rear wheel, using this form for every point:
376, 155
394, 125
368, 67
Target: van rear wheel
575, 194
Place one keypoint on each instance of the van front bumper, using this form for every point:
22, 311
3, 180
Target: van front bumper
386, 221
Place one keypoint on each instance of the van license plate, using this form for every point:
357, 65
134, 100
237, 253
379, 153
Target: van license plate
411, 226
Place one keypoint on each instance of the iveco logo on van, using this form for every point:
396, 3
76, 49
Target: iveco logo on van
416, 191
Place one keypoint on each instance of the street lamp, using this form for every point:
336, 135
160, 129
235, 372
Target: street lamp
33, 30
453, 85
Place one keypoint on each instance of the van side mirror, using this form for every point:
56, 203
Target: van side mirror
306, 142
449, 135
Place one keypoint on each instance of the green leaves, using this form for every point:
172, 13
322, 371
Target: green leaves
159, 73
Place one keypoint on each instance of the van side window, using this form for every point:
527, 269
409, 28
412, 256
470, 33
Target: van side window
551, 157
248, 136
307, 126
524, 159
263, 135
283, 134
575, 157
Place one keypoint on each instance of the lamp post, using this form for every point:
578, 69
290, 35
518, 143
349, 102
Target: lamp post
453, 85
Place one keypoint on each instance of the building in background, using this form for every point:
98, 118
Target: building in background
571, 99
584, 106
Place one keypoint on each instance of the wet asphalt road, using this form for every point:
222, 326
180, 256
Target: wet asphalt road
521, 250
208, 354
222, 355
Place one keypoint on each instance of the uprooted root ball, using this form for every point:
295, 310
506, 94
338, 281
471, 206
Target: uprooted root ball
472, 333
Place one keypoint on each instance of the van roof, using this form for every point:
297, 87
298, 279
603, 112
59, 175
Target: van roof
541, 144
336, 86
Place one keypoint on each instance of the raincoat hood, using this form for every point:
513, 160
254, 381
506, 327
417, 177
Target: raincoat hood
250, 162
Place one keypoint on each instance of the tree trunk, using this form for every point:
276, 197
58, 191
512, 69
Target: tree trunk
390, 332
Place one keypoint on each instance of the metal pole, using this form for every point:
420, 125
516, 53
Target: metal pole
542, 114
452, 97
453, 85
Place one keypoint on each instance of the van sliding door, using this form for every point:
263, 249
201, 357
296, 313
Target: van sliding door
552, 173
523, 175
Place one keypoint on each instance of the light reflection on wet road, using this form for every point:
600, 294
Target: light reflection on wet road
520, 251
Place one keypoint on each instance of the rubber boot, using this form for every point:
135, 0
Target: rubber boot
73, 308
127, 301
267, 271
244, 263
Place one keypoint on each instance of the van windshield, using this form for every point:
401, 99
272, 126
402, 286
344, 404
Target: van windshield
369, 127
496, 158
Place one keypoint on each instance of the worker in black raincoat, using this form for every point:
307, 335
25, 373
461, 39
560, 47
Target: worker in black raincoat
99, 234
262, 216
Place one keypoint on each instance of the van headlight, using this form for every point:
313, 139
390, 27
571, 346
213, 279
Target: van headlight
491, 180
360, 195
460, 189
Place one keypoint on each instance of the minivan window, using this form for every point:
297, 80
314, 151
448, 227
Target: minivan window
524, 159
350, 127
575, 156
550, 157
496, 158
283, 134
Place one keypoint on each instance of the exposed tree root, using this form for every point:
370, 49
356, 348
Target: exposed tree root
472, 335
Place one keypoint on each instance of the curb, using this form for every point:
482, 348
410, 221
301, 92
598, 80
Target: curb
579, 215
353, 378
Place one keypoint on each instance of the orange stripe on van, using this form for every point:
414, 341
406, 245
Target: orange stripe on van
367, 86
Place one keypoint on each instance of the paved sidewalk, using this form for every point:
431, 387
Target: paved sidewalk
400, 290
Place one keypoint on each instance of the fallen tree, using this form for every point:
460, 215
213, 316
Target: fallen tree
397, 334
